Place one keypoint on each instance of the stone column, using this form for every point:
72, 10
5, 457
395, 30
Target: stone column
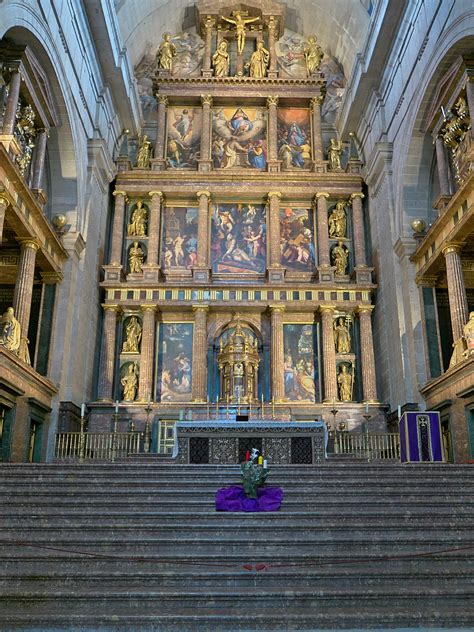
201, 270
276, 353
369, 387
3, 209
276, 273
358, 227
200, 353
458, 307
329, 353
151, 268
24, 284
117, 228
160, 145
147, 355
205, 163
272, 33
107, 353
9, 118
326, 271
273, 163
38, 165
318, 157
209, 23
443, 170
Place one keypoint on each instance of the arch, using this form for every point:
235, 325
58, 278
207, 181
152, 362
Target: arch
216, 330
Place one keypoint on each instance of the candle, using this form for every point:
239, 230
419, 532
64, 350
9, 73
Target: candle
366, 408
265, 463
247, 456
273, 408
399, 411
116, 407
83, 409
260, 460
443, 112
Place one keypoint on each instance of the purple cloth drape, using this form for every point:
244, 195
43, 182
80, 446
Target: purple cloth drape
233, 498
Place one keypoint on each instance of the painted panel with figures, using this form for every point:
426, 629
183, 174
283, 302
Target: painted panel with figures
239, 138
297, 239
300, 362
294, 138
175, 355
179, 242
184, 137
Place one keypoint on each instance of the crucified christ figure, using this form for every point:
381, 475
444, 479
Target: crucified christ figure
240, 24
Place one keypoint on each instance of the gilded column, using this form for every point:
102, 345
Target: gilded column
24, 284
316, 103
117, 228
458, 307
154, 228
200, 353
358, 227
442, 165
273, 165
9, 118
201, 271
369, 387
161, 131
205, 160
329, 353
209, 23
276, 357
147, 354
40, 155
275, 270
3, 209
107, 353
272, 32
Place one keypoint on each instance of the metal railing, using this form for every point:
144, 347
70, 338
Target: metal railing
369, 446
102, 446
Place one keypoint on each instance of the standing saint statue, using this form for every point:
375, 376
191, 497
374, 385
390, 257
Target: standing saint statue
144, 153
259, 62
220, 60
344, 383
240, 24
313, 55
342, 337
468, 335
10, 331
133, 333
166, 52
334, 154
337, 221
138, 221
136, 257
129, 383
340, 257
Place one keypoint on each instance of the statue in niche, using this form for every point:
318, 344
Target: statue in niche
240, 23
220, 60
136, 257
313, 55
138, 221
342, 336
340, 257
133, 333
337, 221
129, 383
334, 154
144, 153
10, 331
259, 62
166, 52
468, 334
344, 383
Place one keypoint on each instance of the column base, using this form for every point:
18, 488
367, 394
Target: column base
272, 74
274, 166
354, 165
320, 166
113, 273
276, 274
362, 274
207, 73
123, 164
201, 275
342, 278
151, 273
40, 195
10, 143
205, 165
371, 402
158, 164
326, 274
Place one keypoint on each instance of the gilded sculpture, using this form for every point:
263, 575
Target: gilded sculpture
468, 333
337, 221
344, 383
220, 60
136, 258
240, 23
166, 53
133, 336
10, 331
340, 257
342, 336
144, 153
25, 132
313, 55
259, 62
129, 383
138, 221
334, 154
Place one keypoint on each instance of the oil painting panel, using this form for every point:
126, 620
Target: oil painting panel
184, 137
239, 138
179, 242
300, 366
175, 355
297, 239
294, 138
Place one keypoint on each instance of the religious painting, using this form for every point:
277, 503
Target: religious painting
297, 239
300, 366
238, 238
179, 240
175, 355
184, 137
294, 138
239, 138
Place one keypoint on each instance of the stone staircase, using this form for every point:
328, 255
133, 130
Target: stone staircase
139, 547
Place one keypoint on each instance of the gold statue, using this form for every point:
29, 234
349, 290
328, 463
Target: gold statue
166, 52
337, 221
342, 337
468, 333
144, 153
340, 256
334, 154
259, 62
313, 55
136, 257
344, 383
220, 60
138, 221
129, 382
133, 332
240, 24
10, 331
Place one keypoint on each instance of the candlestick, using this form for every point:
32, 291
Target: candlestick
116, 406
265, 464
83, 409
366, 408
399, 410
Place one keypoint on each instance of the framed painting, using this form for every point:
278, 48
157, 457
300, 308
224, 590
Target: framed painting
294, 138
179, 238
239, 138
300, 362
183, 144
297, 239
175, 357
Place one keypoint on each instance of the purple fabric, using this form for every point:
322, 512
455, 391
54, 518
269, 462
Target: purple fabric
233, 498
